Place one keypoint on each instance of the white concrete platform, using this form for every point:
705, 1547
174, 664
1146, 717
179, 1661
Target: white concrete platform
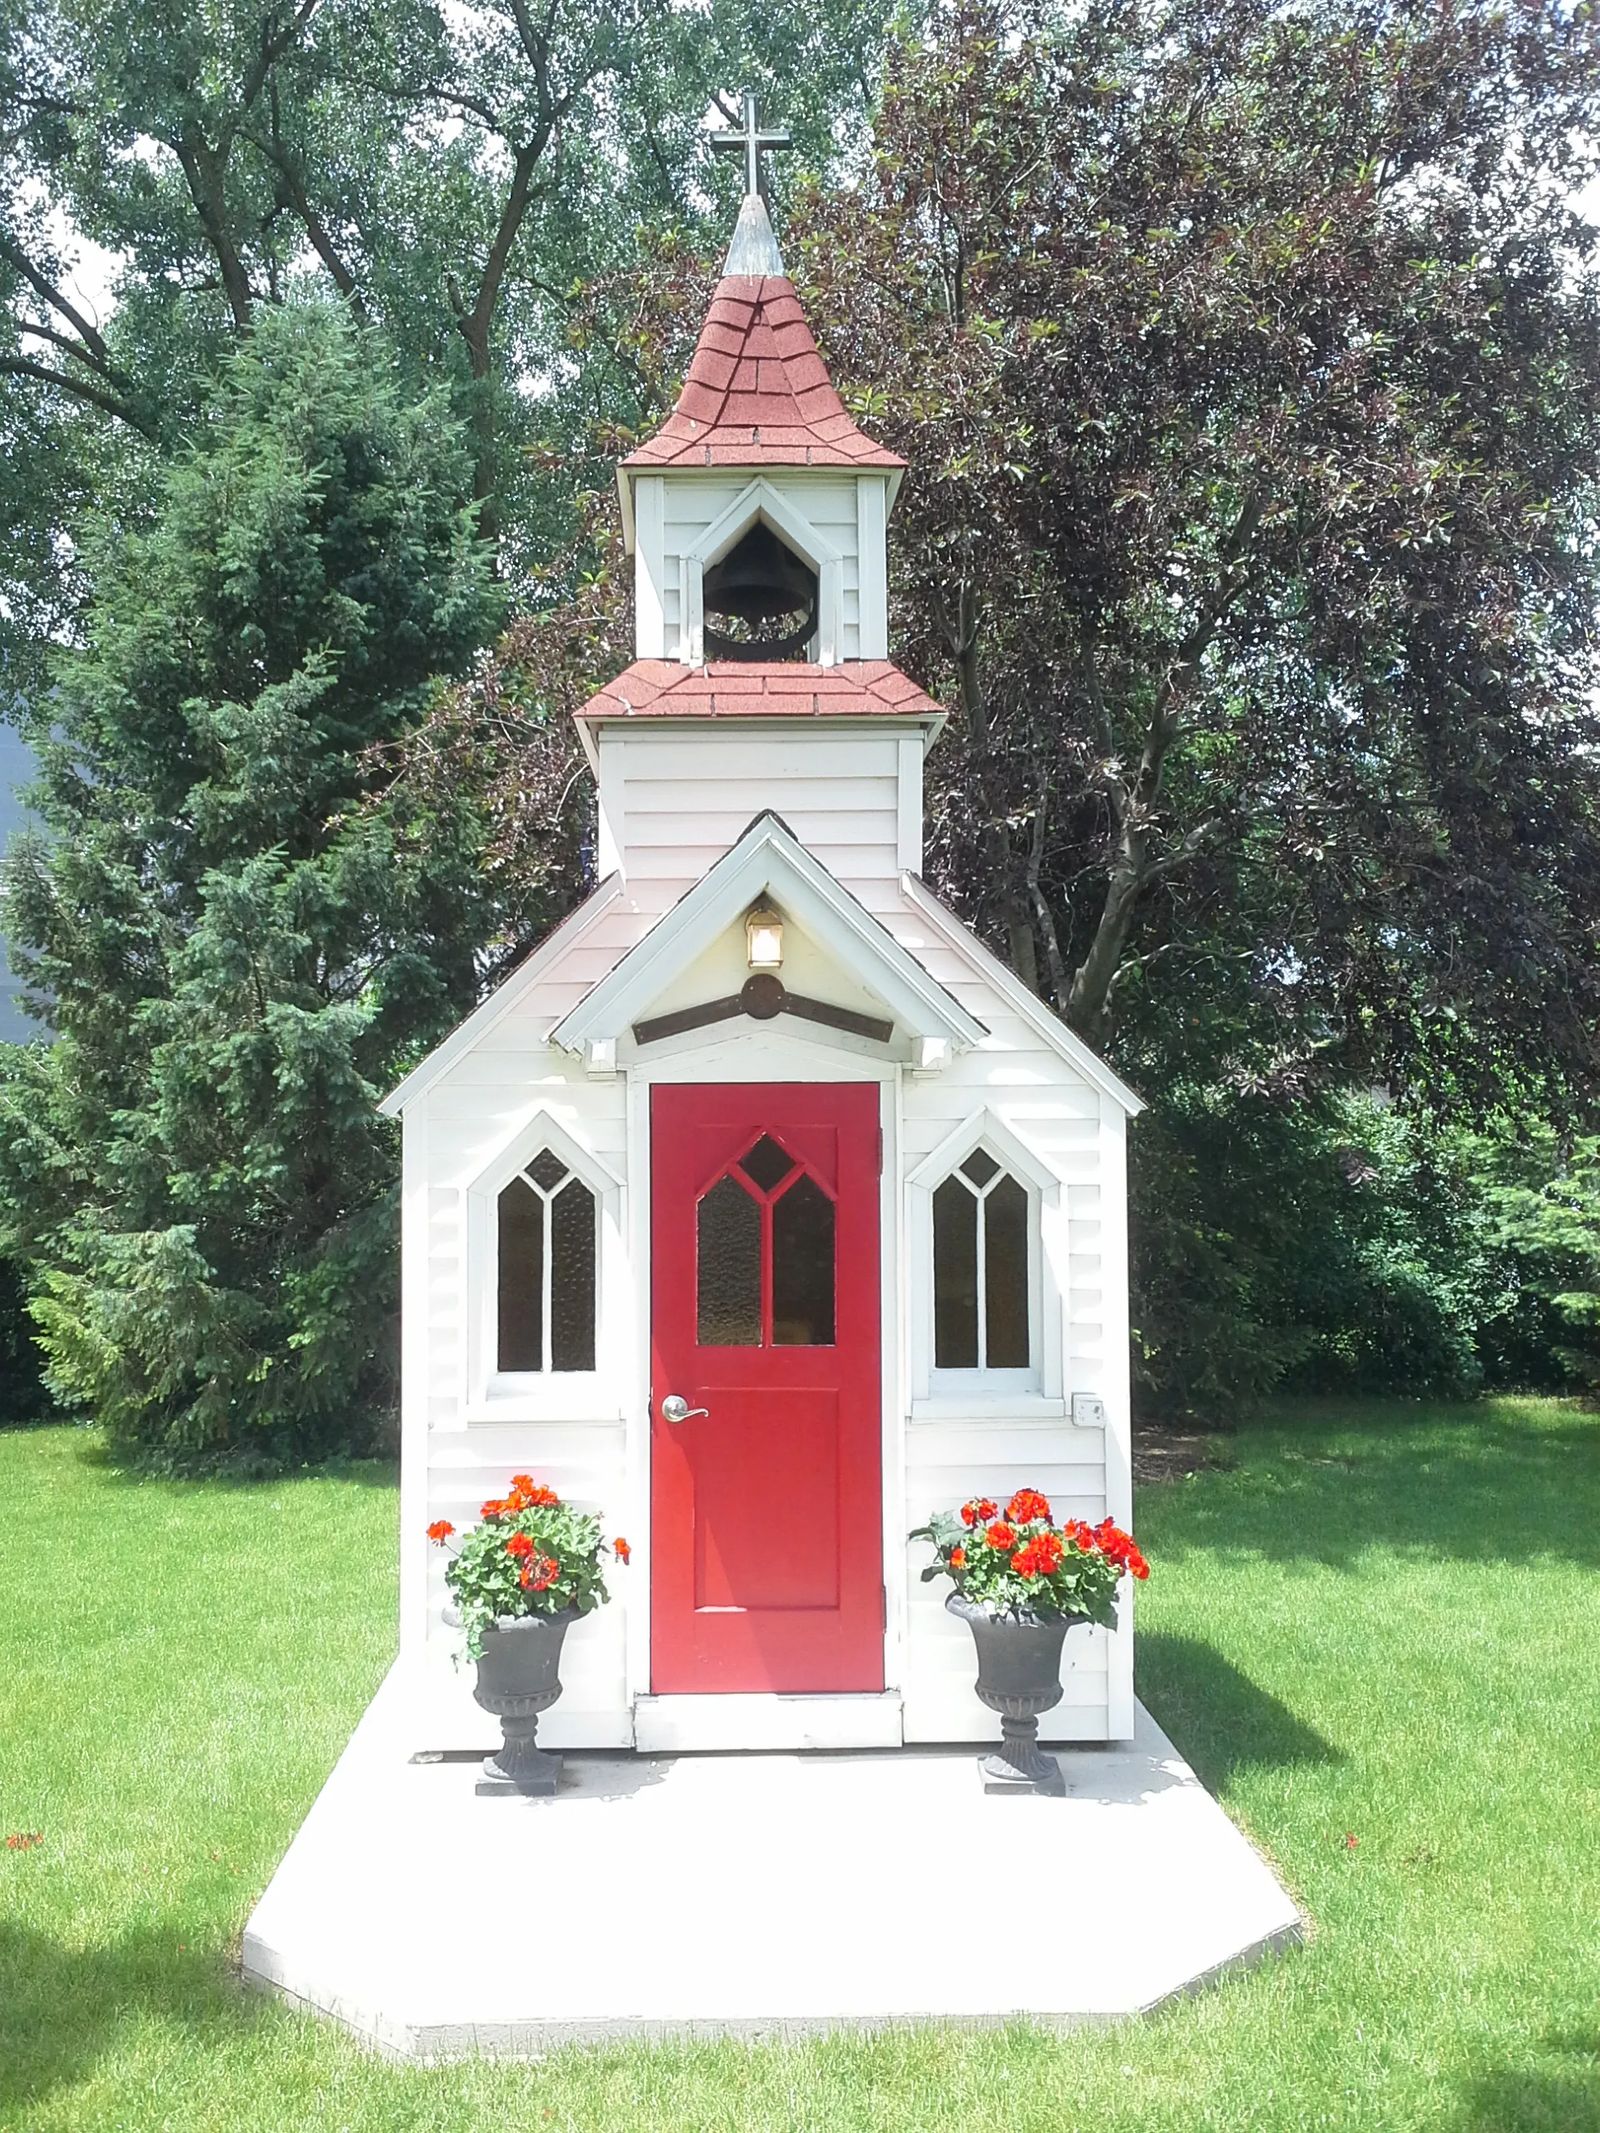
748, 1895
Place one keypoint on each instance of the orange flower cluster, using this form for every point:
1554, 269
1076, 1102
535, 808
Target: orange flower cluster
621, 1550
440, 1531
979, 1509
1039, 1557
526, 1495
1120, 1547
1027, 1506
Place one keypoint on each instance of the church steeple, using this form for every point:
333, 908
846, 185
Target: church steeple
758, 511
758, 393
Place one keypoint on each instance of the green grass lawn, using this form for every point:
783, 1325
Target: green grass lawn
1377, 1636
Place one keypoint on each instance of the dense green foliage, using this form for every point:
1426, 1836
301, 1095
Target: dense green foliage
450, 174
1340, 1245
1354, 1634
238, 953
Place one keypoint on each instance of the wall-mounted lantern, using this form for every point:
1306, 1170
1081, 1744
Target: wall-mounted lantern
763, 933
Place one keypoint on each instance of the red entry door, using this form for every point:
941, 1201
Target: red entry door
766, 1540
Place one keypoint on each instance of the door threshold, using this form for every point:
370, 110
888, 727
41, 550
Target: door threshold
674, 1724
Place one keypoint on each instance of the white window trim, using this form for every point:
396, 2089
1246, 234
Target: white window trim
936, 1393
495, 1395
758, 501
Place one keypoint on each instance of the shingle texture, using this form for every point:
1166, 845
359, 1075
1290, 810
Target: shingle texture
757, 393
855, 688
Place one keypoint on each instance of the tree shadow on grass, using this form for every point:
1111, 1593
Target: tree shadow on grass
62, 2009
1480, 1489
374, 1473
1219, 1718
1563, 2097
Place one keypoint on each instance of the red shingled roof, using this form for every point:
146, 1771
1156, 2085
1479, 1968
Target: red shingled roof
729, 688
758, 393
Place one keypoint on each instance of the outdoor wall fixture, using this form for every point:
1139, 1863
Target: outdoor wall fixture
763, 933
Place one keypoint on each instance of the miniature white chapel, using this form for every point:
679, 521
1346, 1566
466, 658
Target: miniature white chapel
762, 1208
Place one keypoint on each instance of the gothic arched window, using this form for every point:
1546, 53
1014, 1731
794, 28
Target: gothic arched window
982, 1283
547, 1224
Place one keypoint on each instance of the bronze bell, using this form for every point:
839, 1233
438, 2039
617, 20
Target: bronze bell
759, 579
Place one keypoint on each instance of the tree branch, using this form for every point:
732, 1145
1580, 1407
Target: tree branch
58, 302
1133, 864
80, 389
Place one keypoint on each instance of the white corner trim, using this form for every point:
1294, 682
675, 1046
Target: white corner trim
768, 859
534, 966
1032, 1009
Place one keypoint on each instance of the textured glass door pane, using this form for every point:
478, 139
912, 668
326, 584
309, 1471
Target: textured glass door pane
802, 1267
1005, 1276
728, 1268
572, 1225
521, 1340
955, 1277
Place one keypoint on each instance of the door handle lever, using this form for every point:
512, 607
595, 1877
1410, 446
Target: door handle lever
675, 1408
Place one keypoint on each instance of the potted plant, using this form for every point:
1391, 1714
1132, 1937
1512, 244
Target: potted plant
518, 1581
1021, 1582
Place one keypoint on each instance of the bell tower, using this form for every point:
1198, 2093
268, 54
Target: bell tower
758, 512
757, 518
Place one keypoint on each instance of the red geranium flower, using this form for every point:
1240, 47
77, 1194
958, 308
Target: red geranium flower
1001, 1535
1026, 1506
519, 1544
523, 1482
958, 1558
1039, 1557
497, 1507
440, 1531
621, 1550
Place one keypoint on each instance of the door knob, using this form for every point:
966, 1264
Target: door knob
675, 1408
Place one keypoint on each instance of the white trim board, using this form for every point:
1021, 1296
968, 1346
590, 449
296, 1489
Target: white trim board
739, 1721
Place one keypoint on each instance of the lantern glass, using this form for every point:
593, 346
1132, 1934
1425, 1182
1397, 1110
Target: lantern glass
763, 929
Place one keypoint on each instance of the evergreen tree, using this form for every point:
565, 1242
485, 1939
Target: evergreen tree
242, 938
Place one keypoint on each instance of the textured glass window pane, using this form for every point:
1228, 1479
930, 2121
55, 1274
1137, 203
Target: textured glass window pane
547, 1169
572, 1226
955, 1277
980, 1166
767, 1163
728, 1264
1005, 1276
802, 1267
521, 1214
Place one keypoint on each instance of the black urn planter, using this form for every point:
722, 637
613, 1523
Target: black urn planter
519, 1675
1019, 1675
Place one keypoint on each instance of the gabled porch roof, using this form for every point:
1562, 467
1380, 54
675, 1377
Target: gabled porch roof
768, 860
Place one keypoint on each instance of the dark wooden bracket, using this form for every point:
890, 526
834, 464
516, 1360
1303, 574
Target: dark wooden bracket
761, 997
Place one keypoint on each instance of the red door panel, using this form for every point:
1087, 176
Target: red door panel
766, 1541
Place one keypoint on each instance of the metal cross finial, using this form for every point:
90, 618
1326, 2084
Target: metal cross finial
750, 142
